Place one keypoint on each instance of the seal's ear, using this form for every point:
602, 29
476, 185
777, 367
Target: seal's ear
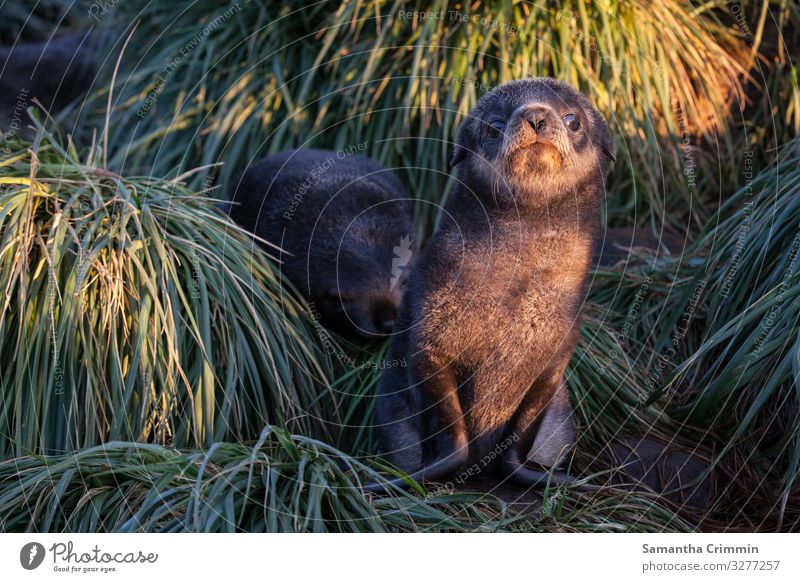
609, 151
458, 156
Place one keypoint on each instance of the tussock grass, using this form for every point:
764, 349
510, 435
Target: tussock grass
715, 338
132, 309
741, 382
272, 77
282, 483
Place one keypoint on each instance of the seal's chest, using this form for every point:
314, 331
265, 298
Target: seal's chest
508, 301
473, 323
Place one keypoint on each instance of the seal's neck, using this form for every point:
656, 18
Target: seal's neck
577, 205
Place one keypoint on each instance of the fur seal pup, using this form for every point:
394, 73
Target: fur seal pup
344, 224
491, 311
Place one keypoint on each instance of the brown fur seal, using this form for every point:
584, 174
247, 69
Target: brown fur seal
490, 315
345, 226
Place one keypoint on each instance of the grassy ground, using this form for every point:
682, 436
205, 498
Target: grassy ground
145, 342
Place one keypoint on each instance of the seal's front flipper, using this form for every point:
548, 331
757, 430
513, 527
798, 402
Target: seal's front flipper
428, 421
555, 431
546, 432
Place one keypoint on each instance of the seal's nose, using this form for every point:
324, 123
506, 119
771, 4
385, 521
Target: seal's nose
382, 313
536, 116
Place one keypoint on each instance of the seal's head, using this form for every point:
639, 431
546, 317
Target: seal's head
351, 246
539, 137
356, 268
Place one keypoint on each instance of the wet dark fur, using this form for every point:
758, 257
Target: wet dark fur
339, 218
491, 311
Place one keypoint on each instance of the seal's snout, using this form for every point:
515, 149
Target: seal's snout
532, 139
371, 316
537, 117
382, 311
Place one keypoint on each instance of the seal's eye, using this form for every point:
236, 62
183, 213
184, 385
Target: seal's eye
571, 121
494, 128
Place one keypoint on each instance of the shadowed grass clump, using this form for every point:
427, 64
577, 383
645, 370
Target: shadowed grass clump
132, 309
